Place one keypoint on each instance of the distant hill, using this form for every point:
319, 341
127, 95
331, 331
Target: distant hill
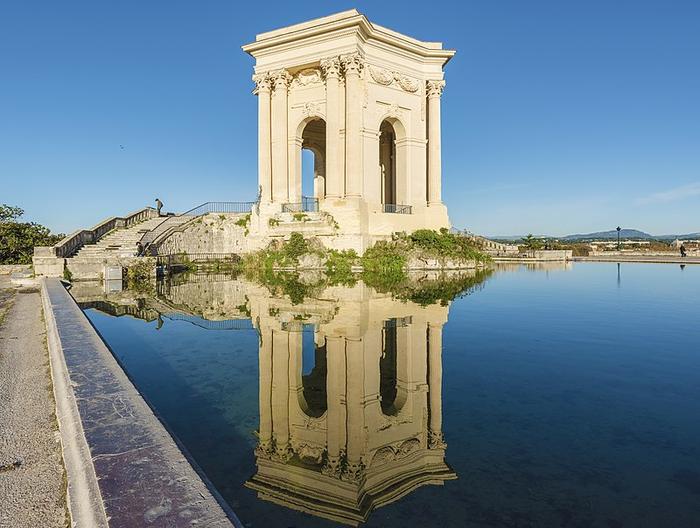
625, 234
611, 235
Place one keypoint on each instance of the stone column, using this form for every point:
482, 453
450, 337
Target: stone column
353, 64
435, 439
355, 384
334, 172
262, 89
335, 387
434, 91
280, 393
279, 147
265, 392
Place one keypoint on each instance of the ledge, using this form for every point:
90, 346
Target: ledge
124, 468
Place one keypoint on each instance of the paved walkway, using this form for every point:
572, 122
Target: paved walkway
32, 477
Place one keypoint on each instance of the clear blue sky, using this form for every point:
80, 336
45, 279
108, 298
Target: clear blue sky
558, 116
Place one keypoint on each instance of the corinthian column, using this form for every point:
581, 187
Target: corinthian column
262, 89
279, 147
265, 392
334, 172
434, 91
435, 439
353, 64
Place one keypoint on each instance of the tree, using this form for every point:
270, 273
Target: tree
9, 213
17, 239
532, 243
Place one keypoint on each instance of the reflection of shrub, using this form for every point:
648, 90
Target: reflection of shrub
339, 266
139, 275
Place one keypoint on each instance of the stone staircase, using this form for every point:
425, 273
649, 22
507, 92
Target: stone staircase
120, 242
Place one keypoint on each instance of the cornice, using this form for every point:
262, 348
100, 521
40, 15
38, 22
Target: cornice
335, 23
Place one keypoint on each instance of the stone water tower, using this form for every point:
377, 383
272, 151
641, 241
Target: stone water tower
366, 101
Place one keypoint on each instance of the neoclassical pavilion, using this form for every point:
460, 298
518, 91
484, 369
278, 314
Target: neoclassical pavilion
365, 100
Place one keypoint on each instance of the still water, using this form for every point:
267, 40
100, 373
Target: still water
545, 396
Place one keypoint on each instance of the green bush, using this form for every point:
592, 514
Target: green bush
18, 239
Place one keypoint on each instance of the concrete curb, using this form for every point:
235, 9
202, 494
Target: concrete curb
84, 498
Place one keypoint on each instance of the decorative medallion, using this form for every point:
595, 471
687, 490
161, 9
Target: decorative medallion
381, 76
307, 77
312, 109
387, 78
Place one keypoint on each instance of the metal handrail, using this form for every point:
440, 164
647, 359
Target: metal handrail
397, 208
220, 207
308, 204
151, 240
70, 244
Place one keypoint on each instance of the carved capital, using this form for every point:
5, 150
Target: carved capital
434, 88
281, 79
331, 67
264, 449
353, 63
436, 440
332, 467
354, 472
262, 82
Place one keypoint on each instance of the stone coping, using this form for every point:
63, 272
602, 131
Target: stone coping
124, 468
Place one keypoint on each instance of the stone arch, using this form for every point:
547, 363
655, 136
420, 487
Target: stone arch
311, 136
393, 394
393, 162
312, 396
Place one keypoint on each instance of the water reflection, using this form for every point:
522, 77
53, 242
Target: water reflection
364, 427
350, 381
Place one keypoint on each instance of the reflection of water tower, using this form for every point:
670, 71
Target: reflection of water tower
363, 427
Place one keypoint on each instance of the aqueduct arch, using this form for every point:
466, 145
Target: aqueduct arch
377, 92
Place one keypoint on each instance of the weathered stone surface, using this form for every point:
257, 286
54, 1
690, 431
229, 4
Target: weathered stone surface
144, 478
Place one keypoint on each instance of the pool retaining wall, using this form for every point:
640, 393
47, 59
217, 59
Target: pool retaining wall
124, 469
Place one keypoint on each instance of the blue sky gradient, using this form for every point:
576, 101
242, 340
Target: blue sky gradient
558, 117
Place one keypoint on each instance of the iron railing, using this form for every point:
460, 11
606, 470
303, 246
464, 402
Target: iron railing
398, 209
220, 207
196, 258
226, 324
308, 204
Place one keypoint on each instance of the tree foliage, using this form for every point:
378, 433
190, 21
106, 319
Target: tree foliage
17, 239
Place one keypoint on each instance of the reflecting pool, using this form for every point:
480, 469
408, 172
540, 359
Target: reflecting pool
558, 395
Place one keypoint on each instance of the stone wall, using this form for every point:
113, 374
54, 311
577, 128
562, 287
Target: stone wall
9, 269
212, 233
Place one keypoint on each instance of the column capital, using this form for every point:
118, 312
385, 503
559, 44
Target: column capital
434, 88
353, 63
331, 67
262, 81
281, 79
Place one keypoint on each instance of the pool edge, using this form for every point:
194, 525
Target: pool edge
98, 492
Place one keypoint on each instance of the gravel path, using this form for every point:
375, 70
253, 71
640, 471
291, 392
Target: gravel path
32, 477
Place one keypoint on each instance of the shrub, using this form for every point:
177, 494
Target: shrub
339, 266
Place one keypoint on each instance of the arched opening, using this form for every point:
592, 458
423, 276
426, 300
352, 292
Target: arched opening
387, 162
392, 397
313, 375
313, 159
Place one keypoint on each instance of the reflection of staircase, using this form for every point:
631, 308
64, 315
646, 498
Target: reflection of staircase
120, 242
